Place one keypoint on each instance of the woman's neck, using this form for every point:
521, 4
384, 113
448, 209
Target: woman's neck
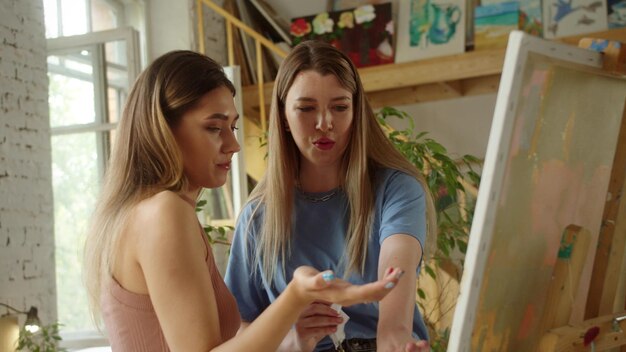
317, 179
191, 193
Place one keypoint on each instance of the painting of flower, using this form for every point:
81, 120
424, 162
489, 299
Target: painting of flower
346, 20
322, 23
364, 14
364, 33
300, 27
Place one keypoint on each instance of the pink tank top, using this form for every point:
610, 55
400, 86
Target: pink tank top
132, 324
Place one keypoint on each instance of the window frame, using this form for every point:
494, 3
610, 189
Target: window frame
97, 42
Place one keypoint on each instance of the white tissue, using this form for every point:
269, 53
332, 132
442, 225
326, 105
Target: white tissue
339, 335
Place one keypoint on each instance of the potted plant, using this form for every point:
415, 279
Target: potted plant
453, 183
46, 339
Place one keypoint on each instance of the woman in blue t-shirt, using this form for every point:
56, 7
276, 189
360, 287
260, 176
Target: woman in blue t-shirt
336, 195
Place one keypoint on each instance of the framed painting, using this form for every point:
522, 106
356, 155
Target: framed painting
364, 33
430, 28
547, 167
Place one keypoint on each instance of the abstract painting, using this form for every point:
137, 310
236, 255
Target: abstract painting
547, 166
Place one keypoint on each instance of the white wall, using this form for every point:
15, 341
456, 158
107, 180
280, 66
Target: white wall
169, 26
172, 25
461, 125
27, 268
289, 9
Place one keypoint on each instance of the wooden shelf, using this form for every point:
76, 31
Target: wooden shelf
466, 74
447, 77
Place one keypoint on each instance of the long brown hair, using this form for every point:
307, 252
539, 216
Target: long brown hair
275, 190
145, 158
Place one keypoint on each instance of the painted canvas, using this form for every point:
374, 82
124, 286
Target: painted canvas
547, 166
430, 28
493, 23
564, 18
530, 17
364, 33
616, 13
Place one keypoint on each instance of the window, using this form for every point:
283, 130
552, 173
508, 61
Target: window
89, 76
88, 84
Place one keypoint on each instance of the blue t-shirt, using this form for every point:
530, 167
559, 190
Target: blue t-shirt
318, 231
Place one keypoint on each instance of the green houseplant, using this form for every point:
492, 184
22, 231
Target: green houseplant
215, 234
449, 180
45, 340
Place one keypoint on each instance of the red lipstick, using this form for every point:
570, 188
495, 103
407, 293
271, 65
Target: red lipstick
324, 143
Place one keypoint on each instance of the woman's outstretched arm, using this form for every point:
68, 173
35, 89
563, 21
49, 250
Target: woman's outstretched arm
267, 331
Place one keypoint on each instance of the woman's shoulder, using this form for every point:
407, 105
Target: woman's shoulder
398, 181
387, 175
163, 208
162, 203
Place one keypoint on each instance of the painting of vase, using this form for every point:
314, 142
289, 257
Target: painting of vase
364, 33
430, 28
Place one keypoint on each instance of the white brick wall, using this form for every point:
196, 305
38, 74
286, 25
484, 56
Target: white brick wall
27, 275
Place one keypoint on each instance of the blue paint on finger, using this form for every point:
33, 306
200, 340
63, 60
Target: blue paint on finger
328, 276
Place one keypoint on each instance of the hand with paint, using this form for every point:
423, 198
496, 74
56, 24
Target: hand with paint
318, 319
312, 285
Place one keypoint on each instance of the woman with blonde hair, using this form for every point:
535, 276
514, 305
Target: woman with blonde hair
149, 268
336, 195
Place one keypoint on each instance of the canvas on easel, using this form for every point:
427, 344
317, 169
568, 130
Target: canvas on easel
547, 168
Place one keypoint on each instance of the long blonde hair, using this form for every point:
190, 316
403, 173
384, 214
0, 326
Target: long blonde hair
145, 158
368, 149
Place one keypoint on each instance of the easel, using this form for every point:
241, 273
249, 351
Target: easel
603, 329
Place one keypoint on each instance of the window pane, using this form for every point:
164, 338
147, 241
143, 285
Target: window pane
75, 178
51, 18
115, 99
117, 77
71, 90
74, 17
102, 16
